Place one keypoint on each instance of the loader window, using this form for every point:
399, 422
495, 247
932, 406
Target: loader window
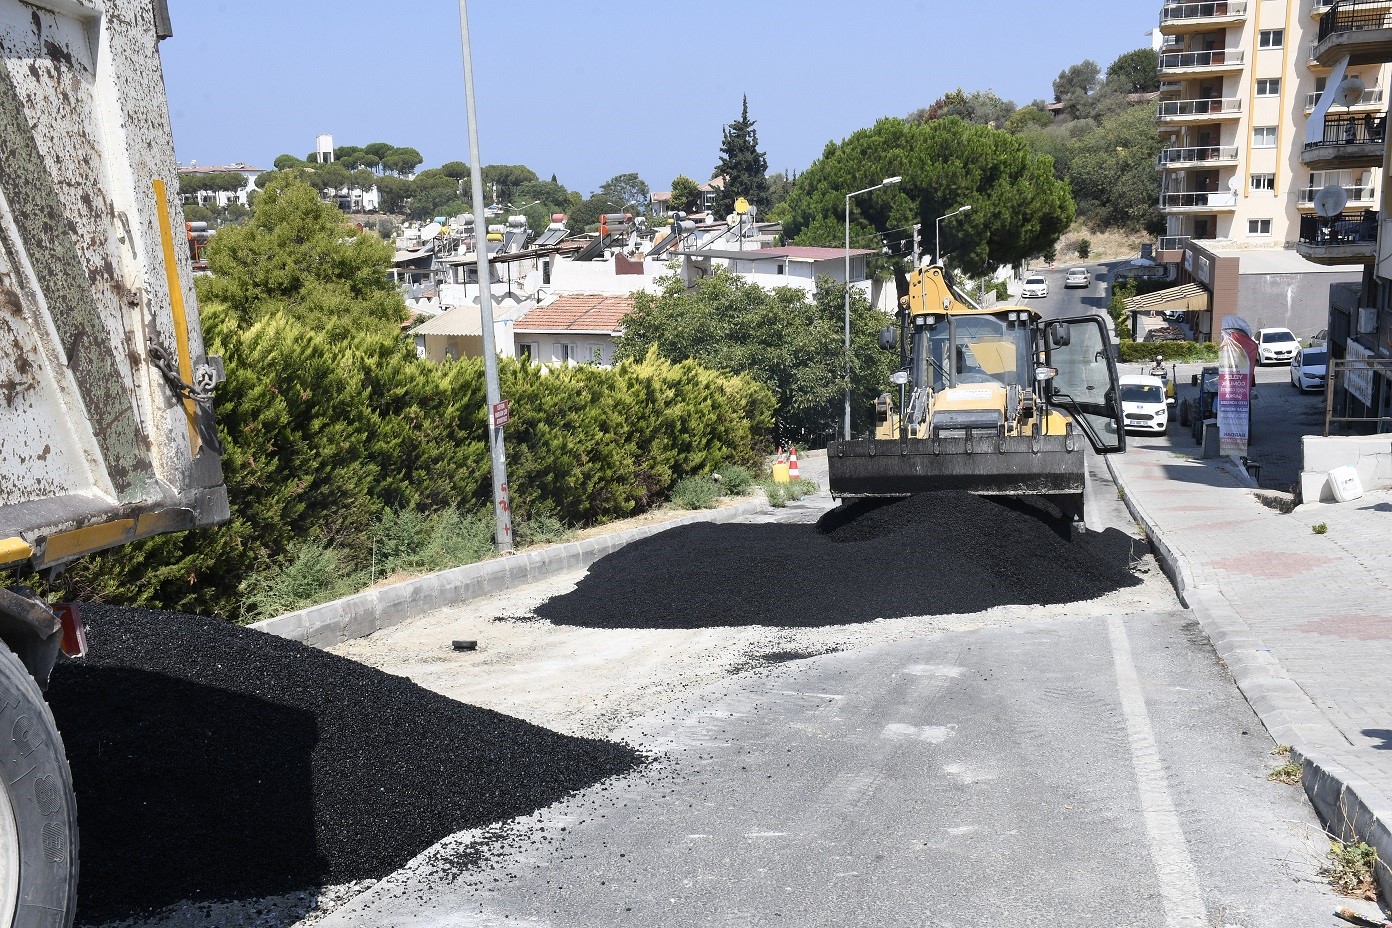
971, 349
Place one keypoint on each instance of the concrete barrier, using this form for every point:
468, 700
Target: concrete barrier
372, 610
1370, 455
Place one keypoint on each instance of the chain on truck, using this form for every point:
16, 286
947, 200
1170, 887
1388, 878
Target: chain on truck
106, 429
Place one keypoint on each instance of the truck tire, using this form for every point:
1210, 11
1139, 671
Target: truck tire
38, 812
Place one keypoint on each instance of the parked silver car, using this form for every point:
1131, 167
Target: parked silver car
1308, 369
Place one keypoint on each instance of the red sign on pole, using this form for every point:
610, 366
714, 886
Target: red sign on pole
502, 412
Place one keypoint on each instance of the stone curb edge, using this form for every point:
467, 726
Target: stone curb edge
1351, 808
370, 611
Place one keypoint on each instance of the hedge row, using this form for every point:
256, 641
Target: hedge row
1170, 351
327, 427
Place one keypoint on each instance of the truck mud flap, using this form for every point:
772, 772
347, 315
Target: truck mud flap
986, 464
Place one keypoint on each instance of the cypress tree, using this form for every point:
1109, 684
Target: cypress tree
743, 166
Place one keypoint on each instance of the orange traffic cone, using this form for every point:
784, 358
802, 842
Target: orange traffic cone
792, 464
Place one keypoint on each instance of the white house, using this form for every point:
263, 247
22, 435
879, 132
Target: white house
577, 328
220, 198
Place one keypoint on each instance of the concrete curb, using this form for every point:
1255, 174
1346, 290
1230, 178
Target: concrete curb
373, 610
1350, 808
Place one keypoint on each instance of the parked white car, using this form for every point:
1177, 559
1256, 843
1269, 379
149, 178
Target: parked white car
1144, 407
1276, 346
1034, 286
1077, 277
1308, 368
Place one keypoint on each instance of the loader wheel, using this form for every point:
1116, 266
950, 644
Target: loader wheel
1184, 413
38, 812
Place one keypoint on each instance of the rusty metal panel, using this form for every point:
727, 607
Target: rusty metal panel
90, 430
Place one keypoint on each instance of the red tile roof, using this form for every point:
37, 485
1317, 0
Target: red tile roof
588, 312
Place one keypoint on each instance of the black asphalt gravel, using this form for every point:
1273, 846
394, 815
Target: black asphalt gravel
931, 554
216, 762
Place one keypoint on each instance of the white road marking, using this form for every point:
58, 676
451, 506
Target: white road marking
1174, 868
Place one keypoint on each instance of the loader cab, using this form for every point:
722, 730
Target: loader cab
951, 350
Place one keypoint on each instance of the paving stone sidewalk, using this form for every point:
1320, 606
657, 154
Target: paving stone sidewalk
1302, 619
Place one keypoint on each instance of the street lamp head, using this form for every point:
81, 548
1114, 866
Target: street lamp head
890, 181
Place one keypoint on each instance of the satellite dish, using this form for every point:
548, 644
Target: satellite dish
430, 231
1331, 200
1234, 183
1349, 91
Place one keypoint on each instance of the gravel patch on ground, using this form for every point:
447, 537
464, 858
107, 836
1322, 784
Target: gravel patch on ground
931, 554
213, 762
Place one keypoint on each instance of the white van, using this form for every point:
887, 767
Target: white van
1143, 404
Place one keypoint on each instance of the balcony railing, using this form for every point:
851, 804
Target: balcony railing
1203, 198
1171, 156
1370, 97
1178, 61
1351, 130
1214, 10
1345, 229
1306, 196
1173, 242
1231, 106
1354, 15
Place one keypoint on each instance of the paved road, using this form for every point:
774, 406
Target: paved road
1078, 301
1085, 769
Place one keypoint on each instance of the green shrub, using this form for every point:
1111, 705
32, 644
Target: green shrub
1170, 351
780, 494
735, 479
542, 528
314, 574
1084, 247
696, 493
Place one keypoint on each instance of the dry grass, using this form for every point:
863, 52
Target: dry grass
1350, 870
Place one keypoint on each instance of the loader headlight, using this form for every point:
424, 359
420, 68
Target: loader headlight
1045, 373
899, 378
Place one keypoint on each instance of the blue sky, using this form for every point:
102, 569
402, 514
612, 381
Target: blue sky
590, 89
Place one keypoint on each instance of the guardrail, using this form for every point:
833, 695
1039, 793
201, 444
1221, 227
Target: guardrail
1352, 130
1353, 16
1214, 10
1370, 97
1172, 61
1210, 198
1306, 195
1170, 156
1345, 229
1209, 107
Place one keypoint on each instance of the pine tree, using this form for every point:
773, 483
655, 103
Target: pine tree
743, 166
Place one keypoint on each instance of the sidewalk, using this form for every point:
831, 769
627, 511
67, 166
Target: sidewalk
1303, 621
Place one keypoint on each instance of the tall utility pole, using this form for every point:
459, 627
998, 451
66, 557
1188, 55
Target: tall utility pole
502, 508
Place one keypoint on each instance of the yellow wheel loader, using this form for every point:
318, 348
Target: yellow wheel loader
998, 402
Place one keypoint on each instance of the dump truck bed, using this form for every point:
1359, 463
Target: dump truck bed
105, 419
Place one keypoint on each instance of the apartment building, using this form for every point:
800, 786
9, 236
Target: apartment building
1241, 90
1354, 37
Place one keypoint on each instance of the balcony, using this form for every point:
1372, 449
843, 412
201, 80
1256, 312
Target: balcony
1201, 201
1199, 110
1349, 238
1372, 97
1348, 142
1313, 59
1217, 61
1358, 29
1359, 198
1211, 156
1319, 7
1177, 18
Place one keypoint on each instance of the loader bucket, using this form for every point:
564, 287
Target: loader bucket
986, 463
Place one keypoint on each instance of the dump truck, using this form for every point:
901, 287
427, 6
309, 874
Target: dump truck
997, 402
106, 417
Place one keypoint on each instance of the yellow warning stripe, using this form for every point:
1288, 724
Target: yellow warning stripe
80, 541
14, 550
176, 306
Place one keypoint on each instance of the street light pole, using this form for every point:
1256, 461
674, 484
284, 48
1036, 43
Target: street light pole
937, 236
502, 508
887, 182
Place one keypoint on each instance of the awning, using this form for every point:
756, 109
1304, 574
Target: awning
1185, 296
462, 320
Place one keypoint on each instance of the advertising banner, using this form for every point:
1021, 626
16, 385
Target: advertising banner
1236, 363
1358, 378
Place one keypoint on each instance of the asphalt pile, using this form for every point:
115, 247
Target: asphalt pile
213, 762
931, 554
